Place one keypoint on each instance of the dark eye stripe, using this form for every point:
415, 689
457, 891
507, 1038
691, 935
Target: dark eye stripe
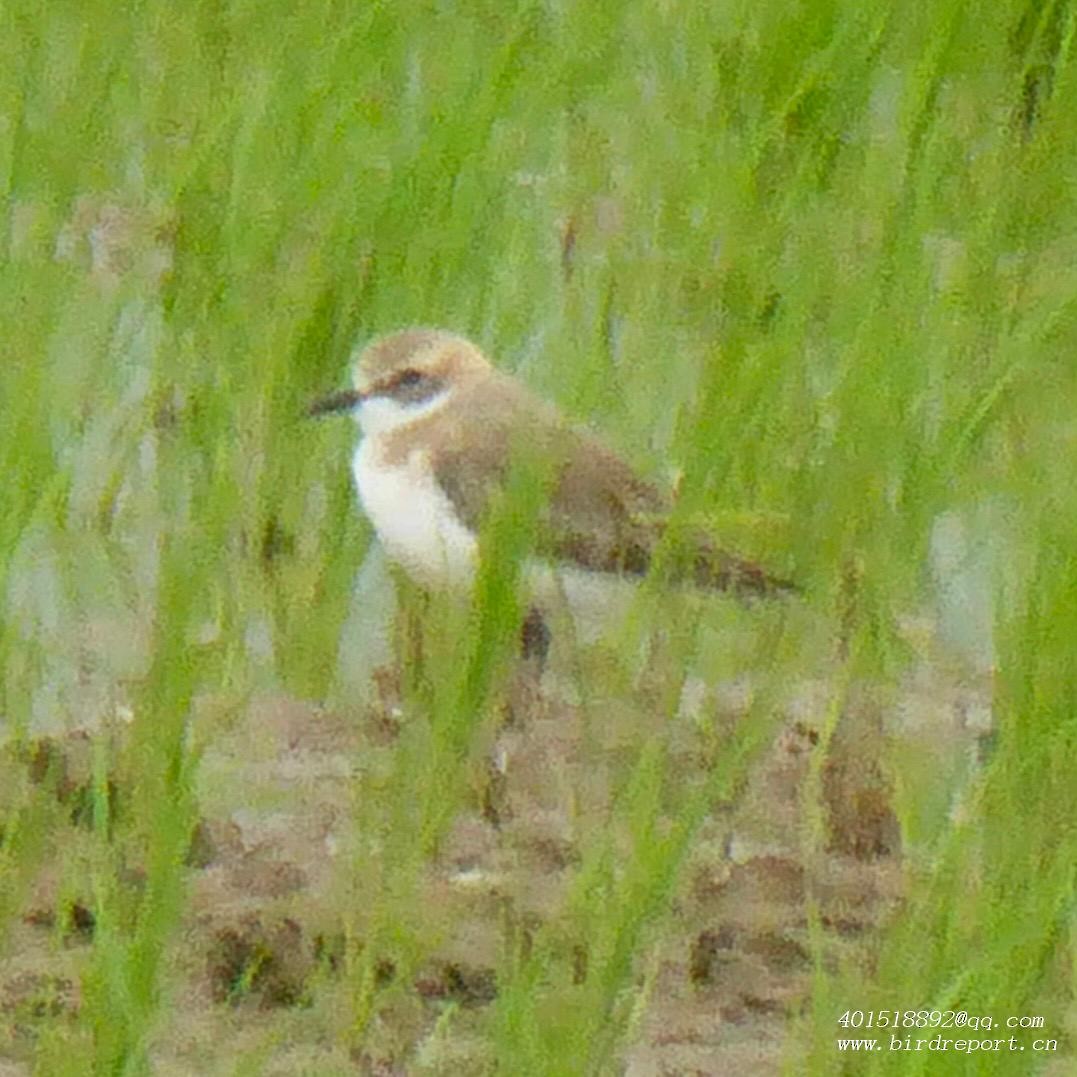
410, 387
403, 379
406, 378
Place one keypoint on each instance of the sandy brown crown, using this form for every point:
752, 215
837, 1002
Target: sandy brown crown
435, 352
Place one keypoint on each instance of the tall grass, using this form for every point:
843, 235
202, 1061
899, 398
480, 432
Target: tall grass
814, 261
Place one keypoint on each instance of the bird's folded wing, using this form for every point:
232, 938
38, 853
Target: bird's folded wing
595, 512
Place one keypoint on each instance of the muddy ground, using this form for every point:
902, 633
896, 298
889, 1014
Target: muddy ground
254, 972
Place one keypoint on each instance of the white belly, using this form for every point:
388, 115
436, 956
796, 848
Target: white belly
414, 519
419, 530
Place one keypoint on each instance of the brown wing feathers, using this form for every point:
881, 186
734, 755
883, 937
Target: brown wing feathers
599, 514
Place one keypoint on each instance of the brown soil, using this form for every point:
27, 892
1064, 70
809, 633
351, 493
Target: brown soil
256, 971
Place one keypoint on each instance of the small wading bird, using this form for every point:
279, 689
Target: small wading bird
441, 431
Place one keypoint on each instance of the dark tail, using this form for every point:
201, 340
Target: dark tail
701, 562
720, 571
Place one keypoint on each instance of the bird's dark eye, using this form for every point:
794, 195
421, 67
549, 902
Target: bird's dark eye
412, 387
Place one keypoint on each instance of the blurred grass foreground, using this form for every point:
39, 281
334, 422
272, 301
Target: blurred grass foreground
816, 263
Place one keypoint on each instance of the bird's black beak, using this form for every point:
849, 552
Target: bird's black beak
345, 400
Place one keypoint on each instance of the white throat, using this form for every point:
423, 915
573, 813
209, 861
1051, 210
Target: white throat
415, 521
382, 414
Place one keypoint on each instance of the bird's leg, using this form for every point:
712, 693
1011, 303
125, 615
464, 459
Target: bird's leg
412, 617
525, 686
535, 638
522, 701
